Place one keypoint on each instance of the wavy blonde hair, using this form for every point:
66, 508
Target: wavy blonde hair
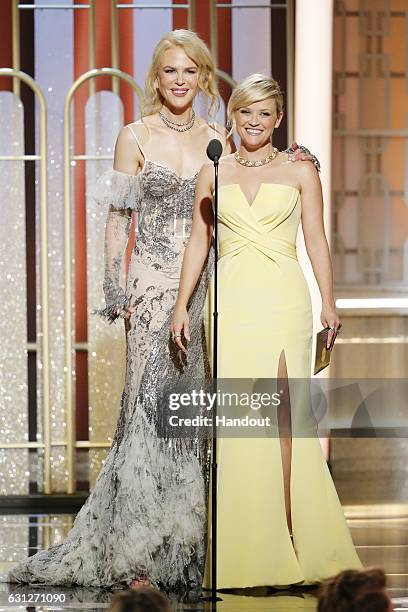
199, 53
254, 88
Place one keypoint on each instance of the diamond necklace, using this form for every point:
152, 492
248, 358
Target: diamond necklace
179, 127
258, 162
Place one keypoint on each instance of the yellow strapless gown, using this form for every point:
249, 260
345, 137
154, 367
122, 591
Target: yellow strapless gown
264, 308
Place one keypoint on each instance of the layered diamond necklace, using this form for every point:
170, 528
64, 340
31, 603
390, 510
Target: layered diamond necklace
179, 127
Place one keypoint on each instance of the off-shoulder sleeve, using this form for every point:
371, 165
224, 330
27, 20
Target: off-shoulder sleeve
119, 192
117, 189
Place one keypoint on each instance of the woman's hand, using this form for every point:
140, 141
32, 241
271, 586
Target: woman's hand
330, 318
129, 311
180, 324
301, 153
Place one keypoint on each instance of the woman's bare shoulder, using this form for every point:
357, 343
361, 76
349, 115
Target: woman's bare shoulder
227, 160
306, 173
128, 153
138, 130
295, 173
206, 170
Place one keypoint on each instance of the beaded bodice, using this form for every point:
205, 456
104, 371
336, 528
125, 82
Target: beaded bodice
164, 212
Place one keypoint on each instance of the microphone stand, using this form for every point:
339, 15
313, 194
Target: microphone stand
214, 151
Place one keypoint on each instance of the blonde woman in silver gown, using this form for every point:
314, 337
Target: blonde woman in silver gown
145, 520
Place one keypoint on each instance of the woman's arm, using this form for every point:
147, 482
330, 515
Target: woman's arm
316, 243
195, 253
128, 157
127, 160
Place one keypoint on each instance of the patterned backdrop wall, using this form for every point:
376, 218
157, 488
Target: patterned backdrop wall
370, 224
370, 204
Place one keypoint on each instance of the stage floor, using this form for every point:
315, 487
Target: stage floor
380, 533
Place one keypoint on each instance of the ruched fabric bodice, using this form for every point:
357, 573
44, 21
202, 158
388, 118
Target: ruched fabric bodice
270, 229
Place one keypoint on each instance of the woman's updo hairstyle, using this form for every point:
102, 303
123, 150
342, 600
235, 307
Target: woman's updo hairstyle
199, 53
254, 88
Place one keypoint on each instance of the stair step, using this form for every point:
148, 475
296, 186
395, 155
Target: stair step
392, 559
379, 532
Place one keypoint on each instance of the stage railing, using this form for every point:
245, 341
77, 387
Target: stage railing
19, 76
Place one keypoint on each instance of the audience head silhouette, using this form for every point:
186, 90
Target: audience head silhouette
355, 591
142, 599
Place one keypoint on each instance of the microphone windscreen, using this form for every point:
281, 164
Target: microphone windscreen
214, 149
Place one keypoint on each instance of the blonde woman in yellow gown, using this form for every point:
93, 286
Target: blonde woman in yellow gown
280, 521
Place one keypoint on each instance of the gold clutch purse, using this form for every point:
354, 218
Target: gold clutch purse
322, 358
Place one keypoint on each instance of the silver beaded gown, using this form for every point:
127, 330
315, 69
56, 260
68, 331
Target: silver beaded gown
147, 512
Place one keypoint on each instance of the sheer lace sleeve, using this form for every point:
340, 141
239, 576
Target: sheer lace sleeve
117, 189
119, 192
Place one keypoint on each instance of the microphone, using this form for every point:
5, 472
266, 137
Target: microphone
214, 150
